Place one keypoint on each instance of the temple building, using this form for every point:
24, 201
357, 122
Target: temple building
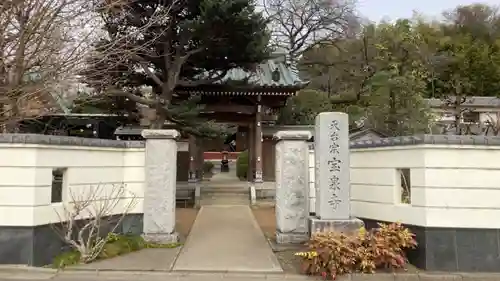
249, 100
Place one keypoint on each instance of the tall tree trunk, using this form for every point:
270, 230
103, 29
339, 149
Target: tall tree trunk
393, 122
11, 112
159, 121
457, 112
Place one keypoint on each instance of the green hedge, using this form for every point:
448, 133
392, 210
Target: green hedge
242, 165
208, 167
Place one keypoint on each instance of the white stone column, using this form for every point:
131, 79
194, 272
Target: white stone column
292, 186
159, 191
332, 173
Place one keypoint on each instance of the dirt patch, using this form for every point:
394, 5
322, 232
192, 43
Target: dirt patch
184, 219
266, 219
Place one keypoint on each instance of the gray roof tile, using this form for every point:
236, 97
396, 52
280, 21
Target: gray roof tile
470, 101
263, 75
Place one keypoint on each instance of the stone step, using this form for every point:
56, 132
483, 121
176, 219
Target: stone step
224, 201
267, 203
224, 191
226, 196
222, 185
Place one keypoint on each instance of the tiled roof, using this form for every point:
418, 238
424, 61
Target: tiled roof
273, 73
470, 101
264, 74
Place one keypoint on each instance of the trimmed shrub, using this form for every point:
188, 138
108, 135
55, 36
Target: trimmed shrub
208, 167
242, 165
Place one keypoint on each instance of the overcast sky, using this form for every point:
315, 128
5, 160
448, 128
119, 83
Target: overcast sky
376, 10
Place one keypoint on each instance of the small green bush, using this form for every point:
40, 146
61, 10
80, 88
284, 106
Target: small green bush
208, 167
112, 250
242, 165
66, 259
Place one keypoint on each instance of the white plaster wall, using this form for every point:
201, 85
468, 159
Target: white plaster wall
451, 185
462, 186
489, 117
26, 179
375, 184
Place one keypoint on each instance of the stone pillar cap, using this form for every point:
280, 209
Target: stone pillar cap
160, 134
332, 113
293, 135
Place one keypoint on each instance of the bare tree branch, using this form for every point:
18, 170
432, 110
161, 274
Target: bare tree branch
43, 45
298, 25
97, 206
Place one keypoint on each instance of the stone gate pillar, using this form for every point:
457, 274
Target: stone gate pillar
160, 185
332, 184
292, 186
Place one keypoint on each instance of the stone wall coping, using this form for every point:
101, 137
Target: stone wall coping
160, 134
293, 135
67, 141
427, 139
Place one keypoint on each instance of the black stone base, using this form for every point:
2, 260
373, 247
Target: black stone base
454, 249
38, 245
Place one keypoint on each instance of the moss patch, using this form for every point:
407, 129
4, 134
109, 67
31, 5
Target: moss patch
116, 245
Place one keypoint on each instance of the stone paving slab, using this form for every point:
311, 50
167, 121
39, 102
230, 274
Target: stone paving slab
226, 239
157, 259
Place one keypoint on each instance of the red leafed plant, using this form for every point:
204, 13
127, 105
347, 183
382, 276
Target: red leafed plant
388, 243
332, 253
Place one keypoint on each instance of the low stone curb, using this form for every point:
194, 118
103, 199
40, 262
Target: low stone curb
280, 276
422, 277
25, 268
25, 272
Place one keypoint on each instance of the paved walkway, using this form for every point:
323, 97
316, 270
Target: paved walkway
226, 239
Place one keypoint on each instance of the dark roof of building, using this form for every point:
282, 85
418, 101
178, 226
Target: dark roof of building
272, 73
127, 131
473, 101
359, 132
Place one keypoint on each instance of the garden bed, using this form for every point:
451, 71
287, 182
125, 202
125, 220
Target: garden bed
291, 263
119, 247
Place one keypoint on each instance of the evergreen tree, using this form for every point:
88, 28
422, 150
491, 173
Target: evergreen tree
165, 45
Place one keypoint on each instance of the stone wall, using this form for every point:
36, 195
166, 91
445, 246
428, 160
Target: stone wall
39, 173
452, 204
30, 201
453, 207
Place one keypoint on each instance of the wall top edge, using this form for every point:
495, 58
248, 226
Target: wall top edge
427, 139
160, 134
67, 141
293, 135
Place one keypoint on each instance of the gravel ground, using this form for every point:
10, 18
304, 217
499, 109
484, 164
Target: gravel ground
185, 218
